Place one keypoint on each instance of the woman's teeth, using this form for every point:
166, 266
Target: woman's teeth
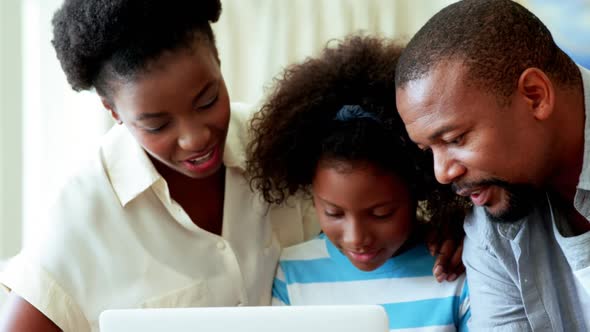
202, 158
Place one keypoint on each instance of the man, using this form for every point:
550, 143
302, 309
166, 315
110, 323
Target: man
505, 113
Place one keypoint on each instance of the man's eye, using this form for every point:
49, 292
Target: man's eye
456, 140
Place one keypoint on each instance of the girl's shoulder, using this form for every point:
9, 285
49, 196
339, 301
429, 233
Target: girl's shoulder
312, 249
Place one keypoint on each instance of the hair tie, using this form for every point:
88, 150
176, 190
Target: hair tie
354, 112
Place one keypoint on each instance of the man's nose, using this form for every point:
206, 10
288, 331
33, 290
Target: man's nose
446, 168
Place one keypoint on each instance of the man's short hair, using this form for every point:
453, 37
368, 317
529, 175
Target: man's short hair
496, 40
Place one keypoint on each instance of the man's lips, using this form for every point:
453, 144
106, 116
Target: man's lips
479, 196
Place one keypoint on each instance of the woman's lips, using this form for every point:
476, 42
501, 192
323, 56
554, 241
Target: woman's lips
204, 162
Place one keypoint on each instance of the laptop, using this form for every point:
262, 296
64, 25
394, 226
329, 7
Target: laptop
329, 318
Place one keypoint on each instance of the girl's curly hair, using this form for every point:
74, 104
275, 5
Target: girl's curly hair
296, 127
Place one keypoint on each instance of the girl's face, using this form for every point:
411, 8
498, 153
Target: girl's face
366, 213
178, 110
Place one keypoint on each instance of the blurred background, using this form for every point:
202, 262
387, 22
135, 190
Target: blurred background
46, 129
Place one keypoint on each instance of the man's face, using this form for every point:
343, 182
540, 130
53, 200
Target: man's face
493, 153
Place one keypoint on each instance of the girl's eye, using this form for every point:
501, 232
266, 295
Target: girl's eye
383, 214
332, 214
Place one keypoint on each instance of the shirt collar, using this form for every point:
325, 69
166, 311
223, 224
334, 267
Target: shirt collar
131, 172
128, 167
238, 136
584, 181
513, 230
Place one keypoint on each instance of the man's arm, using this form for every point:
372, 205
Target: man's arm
496, 302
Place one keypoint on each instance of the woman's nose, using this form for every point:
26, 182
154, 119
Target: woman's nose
194, 138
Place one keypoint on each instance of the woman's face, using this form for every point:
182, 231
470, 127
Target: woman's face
178, 110
365, 212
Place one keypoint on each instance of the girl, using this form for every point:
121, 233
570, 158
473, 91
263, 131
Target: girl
330, 127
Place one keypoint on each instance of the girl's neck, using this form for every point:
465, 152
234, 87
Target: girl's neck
412, 240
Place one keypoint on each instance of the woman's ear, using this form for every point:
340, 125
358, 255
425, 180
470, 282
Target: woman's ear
536, 88
111, 110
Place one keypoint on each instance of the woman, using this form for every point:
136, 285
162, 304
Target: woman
162, 216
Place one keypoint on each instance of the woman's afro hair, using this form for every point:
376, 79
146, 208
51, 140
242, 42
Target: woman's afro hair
122, 36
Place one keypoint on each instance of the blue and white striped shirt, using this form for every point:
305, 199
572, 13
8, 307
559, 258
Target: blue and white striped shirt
317, 273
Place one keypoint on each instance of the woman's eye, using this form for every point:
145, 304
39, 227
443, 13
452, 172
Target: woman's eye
155, 130
210, 102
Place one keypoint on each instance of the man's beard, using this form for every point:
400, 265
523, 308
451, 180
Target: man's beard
519, 202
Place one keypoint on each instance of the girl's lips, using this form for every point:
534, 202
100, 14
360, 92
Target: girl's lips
363, 257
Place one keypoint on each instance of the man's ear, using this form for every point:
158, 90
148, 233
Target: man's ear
109, 107
536, 88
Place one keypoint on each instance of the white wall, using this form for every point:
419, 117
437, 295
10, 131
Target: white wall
256, 39
60, 125
10, 128
45, 131
46, 128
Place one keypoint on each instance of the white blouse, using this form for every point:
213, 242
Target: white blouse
116, 239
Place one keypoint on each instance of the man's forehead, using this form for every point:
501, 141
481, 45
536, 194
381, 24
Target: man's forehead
442, 86
423, 126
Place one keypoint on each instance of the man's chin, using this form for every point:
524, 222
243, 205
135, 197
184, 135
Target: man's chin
507, 214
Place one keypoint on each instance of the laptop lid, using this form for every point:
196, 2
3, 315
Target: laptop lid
349, 318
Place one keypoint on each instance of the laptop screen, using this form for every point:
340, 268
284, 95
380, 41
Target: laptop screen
351, 318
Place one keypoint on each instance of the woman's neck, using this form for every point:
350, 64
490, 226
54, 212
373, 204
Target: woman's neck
201, 199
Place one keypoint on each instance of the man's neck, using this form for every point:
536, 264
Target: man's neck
570, 126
